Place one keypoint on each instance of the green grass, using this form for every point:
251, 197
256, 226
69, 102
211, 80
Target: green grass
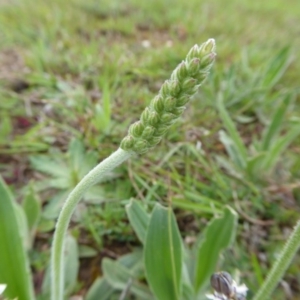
86, 69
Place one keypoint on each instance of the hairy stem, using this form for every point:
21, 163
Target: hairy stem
287, 254
93, 177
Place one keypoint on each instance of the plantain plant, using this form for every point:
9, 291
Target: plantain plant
143, 135
171, 271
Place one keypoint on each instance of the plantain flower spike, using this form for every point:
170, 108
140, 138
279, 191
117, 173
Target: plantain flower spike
170, 102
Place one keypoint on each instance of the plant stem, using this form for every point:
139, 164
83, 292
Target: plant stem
93, 177
287, 254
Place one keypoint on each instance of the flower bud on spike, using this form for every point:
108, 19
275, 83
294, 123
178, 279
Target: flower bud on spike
145, 115
208, 47
194, 52
141, 146
178, 111
148, 132
136, 129
127, 143
167, 117
174, 87
182, 100
170, 103
154, 119
158, 104
165, 91
194, 66
181, 71
154, 141
189, 84
160, 131
201, 77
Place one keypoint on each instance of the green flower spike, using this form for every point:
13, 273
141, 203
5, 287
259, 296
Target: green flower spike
170, 102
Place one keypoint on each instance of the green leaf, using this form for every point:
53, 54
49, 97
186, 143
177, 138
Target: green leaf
76, 152
5, 128
232, 150
115, 273
23, 226
255, 165
122, 278
163, 254
138, 218
194, 206
218, 235
45, 225
273, 129
237, 142
280, 145
276, 68
53, 207
71, 262
71, 267
102, 113
134, 261
44, 164
32, 208
187, 286
100, 289
14, 264
86, 251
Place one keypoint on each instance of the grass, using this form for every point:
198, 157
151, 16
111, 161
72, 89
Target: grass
85, 70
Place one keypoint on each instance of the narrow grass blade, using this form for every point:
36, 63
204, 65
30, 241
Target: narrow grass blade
14, 264
276, 68
257, 269
232, 131
163, 254
273, 129
254, 165
195, 207
138, 218
218, 235
232, 150
279, 147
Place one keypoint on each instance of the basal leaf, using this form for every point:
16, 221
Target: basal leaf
139, 219
100, 289
14, 264
232, 132
32, 208
279, 146
217, 236
276, 68
163, 254
273, 129
122, 278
